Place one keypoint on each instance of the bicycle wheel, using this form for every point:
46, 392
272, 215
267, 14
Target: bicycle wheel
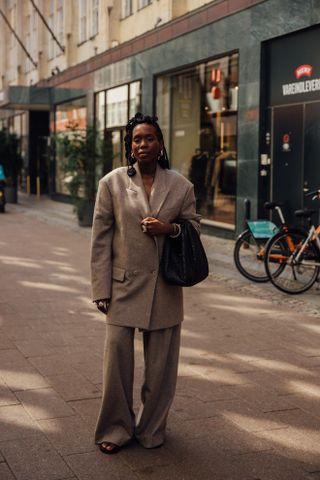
248, 256
299, 270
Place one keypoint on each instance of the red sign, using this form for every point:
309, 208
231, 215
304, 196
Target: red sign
303, 70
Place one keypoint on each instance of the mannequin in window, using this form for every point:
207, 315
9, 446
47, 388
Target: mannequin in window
197, 175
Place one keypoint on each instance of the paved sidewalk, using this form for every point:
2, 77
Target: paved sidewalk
247, 404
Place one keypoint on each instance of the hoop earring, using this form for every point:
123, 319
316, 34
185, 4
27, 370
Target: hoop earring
160, 155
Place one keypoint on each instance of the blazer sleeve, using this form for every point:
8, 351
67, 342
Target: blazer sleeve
188, 209
101, 244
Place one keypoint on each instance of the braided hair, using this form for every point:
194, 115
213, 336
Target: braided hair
139, 118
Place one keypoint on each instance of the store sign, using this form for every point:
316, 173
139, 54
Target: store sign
293, 70
303, 86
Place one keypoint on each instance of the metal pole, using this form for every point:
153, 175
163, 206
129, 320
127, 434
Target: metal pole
247, 208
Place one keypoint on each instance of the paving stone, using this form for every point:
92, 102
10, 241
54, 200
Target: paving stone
91, 369
44, 403
269, 466
297, 444
52, 365
139, 458
23, 378
308, 403
5, 342
73, 387
69, 434
196, 460
17, 372
18, 330
248, 418
34, 458
5, 472
198, 387
16, 423
217, 433
186, 408
166, 472
87, 409
261, 398
34, 348
95, 465
6, 396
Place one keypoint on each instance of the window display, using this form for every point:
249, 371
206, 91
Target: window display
197, 108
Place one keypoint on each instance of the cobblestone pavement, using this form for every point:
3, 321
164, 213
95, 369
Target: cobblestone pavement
247, 404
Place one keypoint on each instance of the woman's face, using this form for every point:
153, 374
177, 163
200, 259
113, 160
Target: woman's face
145, 143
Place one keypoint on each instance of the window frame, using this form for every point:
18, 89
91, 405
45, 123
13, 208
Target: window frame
126, 9
143, 4
94, 20
83, 22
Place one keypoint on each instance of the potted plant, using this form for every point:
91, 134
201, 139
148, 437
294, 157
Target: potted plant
11, 161
81, 153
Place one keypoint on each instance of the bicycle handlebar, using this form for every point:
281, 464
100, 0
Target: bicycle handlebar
314, 192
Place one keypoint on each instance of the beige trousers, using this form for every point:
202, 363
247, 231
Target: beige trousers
116, 421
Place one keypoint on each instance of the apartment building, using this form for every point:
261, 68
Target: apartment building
233, 82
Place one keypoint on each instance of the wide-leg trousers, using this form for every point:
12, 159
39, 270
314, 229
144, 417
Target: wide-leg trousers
116, 421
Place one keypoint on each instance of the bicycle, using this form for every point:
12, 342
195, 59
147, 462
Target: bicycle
249, 249
298, 252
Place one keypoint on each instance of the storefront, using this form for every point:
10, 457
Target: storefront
69, 117
237, 94
291, 137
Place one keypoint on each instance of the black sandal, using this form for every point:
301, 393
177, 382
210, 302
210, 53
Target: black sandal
109, 448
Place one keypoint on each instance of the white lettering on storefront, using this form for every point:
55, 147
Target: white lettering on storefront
301, 87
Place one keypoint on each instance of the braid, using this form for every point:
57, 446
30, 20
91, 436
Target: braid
139, 118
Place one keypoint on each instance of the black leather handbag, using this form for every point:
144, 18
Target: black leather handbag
184, 261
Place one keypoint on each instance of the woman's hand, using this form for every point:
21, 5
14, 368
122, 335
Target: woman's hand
153, 226
103, 305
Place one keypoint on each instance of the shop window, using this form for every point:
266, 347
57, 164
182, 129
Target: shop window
197, 110
113, 108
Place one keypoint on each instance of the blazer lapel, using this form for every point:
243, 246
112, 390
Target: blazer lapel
137, 192
158, 192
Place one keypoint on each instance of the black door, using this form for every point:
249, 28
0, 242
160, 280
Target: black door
287, 158
38, 151
312, 151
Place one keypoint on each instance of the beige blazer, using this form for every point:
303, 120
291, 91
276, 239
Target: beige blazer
124, 260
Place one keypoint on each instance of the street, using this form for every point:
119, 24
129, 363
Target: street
247, 405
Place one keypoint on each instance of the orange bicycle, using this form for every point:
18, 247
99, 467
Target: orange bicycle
298, 253
250, 247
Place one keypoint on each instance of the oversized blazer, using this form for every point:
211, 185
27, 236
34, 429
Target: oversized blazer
125, 262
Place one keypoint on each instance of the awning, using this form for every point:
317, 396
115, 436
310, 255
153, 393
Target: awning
37, 98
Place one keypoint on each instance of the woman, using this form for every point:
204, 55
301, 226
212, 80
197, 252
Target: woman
134, 211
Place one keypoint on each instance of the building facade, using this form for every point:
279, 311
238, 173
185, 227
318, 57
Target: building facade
233, 82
